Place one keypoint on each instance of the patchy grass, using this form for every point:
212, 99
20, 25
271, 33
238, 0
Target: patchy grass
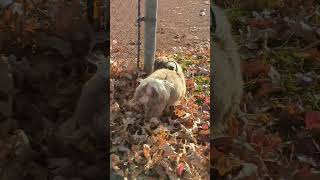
289, 64
233, 13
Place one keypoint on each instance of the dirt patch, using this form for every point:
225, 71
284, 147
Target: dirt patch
180, 24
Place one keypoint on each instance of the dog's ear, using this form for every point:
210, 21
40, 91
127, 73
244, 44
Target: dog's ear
172, 65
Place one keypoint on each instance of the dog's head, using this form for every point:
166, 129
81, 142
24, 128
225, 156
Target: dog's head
167, 64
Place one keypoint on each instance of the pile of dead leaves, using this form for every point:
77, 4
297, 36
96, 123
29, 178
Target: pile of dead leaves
44, 74
170, 147
281, 69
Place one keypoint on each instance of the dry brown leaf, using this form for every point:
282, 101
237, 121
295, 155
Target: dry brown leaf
226, 164
263, 118
234, 128
312, 55
312, 120
190, 84
255, 68
223, 144
261, 23
146, 150
266, 89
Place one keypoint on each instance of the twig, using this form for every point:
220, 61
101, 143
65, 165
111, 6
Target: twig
287, 40
38, 9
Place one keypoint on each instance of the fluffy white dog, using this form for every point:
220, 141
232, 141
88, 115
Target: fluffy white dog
161, 89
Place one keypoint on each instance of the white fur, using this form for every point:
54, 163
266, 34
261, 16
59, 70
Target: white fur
157, 91
227, 76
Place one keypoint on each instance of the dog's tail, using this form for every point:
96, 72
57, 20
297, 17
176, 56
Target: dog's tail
222, 29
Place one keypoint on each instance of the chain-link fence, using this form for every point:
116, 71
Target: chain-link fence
180, 25
123, 33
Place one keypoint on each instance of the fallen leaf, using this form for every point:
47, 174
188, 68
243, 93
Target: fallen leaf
214, 154
205, 126
146, 150
311, 54
312, 120
226, 164
261, 23
257, 138
180, 169
223, 144
190, 84
266, 89
263, 118
234, 128
179, 113
203, 135
255, 68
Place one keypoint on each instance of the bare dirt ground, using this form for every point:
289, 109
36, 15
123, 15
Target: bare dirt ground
181, 23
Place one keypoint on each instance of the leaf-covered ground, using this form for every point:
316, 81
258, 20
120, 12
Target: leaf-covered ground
43, 72
279, 45
170, 147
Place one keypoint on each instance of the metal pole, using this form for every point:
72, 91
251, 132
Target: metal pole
139, 34
150, 27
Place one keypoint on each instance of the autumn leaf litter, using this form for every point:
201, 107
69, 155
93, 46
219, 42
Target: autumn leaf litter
176, 146
280, 63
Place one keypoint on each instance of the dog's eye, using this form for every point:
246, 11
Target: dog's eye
171, 68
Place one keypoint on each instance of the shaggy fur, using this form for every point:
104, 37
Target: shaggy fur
227, 76
161, 89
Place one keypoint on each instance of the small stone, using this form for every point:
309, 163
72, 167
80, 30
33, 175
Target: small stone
202, 13
191, 37
123, 149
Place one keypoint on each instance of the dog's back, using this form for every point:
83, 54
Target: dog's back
177, 79
161, 89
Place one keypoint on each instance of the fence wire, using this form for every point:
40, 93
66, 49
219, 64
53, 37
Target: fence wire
123, 32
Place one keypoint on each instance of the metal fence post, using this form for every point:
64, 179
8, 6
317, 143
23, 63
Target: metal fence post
150, 27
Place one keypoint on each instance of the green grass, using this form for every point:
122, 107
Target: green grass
288, 64
233, 14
